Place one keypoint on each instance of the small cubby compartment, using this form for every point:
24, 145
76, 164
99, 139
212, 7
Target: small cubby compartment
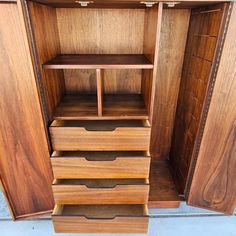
104, 94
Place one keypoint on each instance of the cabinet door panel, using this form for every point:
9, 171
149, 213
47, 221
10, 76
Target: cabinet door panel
24, 156
213, 184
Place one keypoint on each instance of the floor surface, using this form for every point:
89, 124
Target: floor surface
184, 221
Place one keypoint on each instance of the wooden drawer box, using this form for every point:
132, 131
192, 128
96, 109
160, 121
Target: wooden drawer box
100, 135
111, 191
100, 218
100, 165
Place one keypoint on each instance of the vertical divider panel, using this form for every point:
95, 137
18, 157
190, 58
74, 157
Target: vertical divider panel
174, 29
99, 78
152, 29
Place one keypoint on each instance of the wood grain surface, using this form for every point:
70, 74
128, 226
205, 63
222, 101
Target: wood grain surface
108, 165
163, 192
69, 135
46, 42
152, 26
102, 219
203, 35
115, 107
213, 184
24, 157
171, 53
117, 191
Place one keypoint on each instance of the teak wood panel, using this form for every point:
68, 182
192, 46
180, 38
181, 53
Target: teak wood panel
24, 156
152, 28
123, 219
213, 185
104, 31
101, 31
124, 192
163, 192
170, 60
120, 167
46, 42
78, 138
203, 35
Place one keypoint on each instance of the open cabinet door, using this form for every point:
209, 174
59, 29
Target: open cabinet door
212, 179
25, 169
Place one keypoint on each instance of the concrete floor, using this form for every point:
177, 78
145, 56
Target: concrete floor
184, 221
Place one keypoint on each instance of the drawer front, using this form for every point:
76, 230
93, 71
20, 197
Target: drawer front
77, 138
76, 224
81, 194
100, 219
121, 167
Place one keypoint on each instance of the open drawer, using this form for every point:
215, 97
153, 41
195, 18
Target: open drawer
110, 191
100, 218
100, 165
100, 135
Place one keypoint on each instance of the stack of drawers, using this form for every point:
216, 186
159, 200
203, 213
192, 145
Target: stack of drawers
101, 171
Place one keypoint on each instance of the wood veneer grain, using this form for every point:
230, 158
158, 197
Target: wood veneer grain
99, 91
171, 53
152, 27
108, 165
163, 192
203, 34
46, 42
69, 135
115, 107
21, 125
103, 219
112, 191
105, 31
213, 184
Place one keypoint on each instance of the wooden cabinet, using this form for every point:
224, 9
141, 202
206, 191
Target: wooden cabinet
132, 103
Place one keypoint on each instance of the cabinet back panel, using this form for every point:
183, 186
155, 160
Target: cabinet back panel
80, 81
199, 56
101, 31
115, 81
97, 31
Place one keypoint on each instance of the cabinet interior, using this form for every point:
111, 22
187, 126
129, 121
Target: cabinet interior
135, 63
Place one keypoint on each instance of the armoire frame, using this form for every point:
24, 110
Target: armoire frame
191, 114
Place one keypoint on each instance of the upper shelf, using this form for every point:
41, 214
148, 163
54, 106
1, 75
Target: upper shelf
99, 61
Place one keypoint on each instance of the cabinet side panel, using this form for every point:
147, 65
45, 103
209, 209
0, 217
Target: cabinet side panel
213, 185
203, 37
46, 39
24, 156
171, 53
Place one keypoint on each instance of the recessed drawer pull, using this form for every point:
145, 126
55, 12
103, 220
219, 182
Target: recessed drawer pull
99, 160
